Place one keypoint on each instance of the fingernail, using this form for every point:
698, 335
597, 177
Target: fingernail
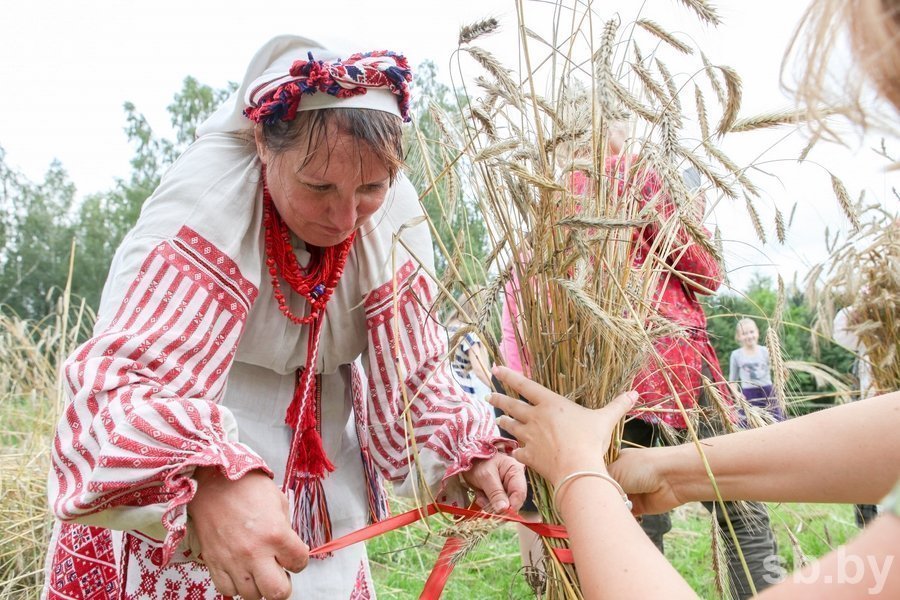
633, 395
487, 398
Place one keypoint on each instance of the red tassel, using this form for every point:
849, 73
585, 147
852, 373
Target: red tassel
311, 457
292, 416
308, 454
307, 462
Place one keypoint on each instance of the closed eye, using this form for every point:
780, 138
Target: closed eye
375, 187
317, 187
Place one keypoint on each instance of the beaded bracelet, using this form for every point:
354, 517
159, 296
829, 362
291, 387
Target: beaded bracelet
578, 474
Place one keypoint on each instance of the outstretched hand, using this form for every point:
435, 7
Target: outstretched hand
245, 535
556, 436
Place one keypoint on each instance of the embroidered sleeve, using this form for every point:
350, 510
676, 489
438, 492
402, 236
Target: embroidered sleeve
142, 408
416, 407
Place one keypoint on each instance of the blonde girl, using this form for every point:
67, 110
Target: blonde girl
749, 368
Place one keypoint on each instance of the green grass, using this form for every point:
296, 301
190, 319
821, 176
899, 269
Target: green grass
401, 560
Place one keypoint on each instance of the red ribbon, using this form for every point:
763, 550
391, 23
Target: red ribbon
439, 575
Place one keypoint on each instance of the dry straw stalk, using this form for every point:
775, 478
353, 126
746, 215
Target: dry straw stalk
30, 354
564, 218
863, 274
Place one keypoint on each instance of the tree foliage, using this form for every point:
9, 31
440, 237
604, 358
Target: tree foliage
758, 302
37, 235
41, 220
459, 228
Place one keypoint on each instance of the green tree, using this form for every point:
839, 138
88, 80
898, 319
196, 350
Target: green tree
461, 233
104, 219
40, 220
37, 237
192, 105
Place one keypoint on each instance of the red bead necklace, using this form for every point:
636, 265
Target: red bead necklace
317, 281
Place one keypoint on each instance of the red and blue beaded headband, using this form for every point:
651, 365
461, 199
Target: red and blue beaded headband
319, 83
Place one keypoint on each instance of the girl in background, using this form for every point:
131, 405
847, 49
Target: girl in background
750, 369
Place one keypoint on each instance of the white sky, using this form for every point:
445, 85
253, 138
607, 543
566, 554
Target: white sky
67, 67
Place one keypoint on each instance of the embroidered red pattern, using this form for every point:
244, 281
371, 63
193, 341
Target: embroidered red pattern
361, 589
83, 565
406, 358
155, 373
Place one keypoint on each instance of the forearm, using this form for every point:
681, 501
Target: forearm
609, 546
845, 454
565, 443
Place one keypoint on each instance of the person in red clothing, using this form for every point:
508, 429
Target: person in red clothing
694, 271
671, 387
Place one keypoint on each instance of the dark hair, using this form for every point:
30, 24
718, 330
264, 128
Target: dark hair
379, 130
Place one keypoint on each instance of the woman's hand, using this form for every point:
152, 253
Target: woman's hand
556, 436
245, 535
498, 483
642, 473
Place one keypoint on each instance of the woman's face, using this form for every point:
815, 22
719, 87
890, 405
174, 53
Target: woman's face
333, 194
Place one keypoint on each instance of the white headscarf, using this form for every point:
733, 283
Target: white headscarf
269, 68
275, 57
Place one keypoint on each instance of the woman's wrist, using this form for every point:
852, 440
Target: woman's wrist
602, 475
207, 476
591, 463
593, 494
683, 468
